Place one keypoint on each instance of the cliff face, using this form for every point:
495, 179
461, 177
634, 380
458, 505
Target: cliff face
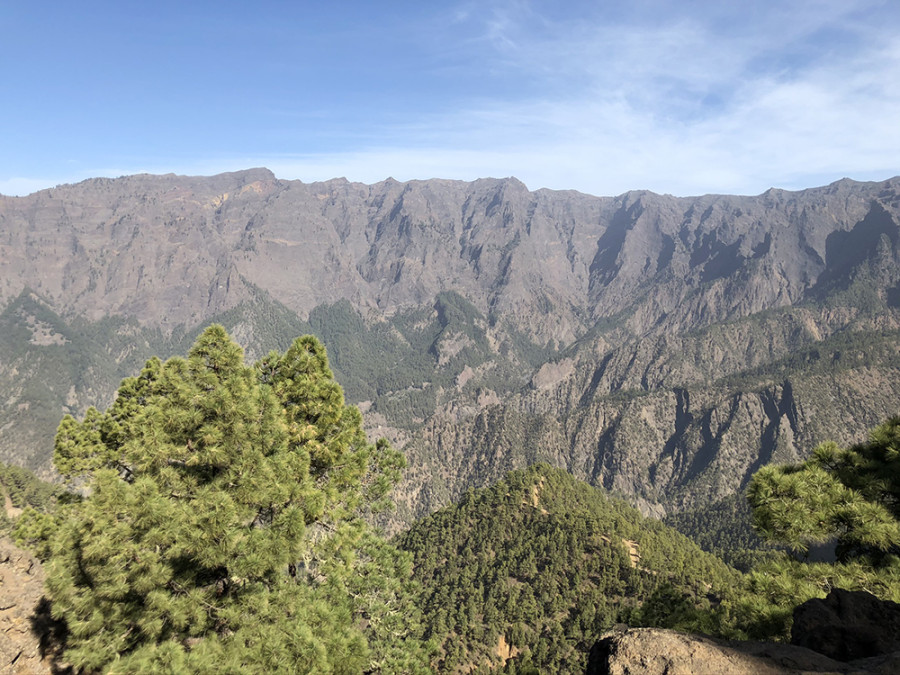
662, 347
665, 449
172, 250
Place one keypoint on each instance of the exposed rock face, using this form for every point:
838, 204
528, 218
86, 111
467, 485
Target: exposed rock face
172, 250
661, 347
21, 590
655, 651
848, 625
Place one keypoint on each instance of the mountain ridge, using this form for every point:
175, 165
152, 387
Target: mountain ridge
642, 341
383, 234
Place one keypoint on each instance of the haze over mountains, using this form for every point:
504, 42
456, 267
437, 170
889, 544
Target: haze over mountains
661, 347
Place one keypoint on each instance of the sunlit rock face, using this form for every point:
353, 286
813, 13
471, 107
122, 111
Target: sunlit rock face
661, 347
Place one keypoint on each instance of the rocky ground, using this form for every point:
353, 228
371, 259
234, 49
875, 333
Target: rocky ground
654, 651
24, 615
846, 633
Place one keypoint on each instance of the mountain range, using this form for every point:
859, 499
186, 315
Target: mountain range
663, 348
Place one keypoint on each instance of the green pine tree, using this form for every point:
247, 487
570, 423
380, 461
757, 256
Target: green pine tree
225, 525
848, 496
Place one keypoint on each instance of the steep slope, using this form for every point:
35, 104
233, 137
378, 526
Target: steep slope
50, 366
684, 443
172, 250
646, 343
532, 569
725, 529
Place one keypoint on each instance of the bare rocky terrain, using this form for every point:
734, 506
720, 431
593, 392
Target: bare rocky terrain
655, 651
661, 347
21, 591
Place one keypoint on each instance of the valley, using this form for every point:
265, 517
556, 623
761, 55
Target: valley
662, 348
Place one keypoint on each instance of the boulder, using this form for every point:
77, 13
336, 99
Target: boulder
655, 651
848, 625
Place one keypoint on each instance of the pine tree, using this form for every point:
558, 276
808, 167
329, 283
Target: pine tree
849, 495
225, 526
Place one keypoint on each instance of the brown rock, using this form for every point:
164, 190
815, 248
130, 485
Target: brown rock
22, 613
654, 651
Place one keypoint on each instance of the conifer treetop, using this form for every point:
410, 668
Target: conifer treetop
223, 528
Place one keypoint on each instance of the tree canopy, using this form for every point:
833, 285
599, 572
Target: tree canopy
224, 527
527, 573
847, 495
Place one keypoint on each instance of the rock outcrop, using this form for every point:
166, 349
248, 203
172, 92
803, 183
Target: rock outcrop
22, 651
848, 625
654, 651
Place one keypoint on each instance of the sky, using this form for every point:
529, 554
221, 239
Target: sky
682, 97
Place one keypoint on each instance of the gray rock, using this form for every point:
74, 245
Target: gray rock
648, 294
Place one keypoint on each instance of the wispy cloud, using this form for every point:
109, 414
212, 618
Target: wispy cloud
682, 98
730, 104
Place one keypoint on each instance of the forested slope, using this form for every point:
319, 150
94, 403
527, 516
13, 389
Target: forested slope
531, 570
661, 347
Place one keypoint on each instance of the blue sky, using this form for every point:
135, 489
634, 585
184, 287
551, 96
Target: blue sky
685, 97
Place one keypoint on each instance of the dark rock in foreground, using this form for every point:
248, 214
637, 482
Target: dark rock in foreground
848, 625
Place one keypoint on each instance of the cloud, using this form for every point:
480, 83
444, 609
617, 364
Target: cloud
682, 98
685, 105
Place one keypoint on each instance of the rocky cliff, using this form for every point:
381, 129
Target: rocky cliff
662, 347
27, 641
